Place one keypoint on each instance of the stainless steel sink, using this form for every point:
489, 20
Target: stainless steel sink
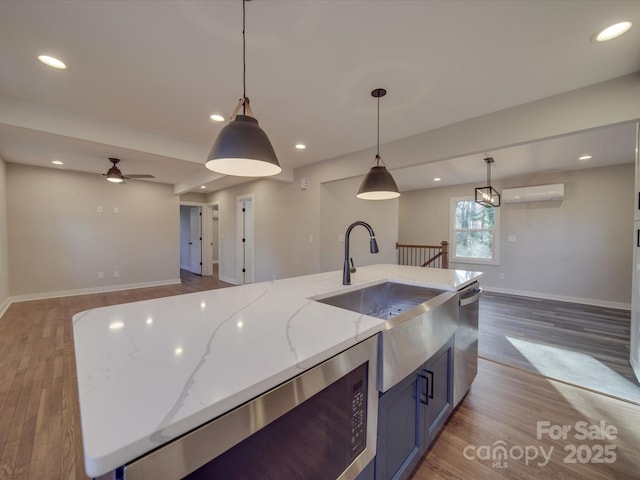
384, 300
418, 321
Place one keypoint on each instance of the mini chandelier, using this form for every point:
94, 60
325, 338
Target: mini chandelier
378, 184
242, 148
488, 196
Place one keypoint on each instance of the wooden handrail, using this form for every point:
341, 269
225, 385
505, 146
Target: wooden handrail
417, 254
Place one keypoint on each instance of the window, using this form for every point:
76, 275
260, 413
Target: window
474, 232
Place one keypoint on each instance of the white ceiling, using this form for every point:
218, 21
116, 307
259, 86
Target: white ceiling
145, 75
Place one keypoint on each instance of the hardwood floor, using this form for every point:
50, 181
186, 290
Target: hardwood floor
603, 333
505, 404
40, 434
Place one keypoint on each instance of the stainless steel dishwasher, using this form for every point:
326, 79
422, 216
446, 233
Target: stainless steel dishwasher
466, 341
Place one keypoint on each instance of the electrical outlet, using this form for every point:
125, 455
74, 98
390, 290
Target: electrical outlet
116, 210
511, 238
99, 209
100, 274
341, 237
116, 274
310, 238
501, 276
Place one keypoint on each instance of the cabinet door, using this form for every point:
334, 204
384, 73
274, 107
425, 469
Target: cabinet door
400, 430
439, 372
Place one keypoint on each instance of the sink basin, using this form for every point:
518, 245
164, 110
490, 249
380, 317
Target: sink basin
418, 321
384, 300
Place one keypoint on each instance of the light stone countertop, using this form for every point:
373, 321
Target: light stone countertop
153, 370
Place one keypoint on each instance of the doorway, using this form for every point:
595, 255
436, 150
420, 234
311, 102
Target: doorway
191, 239
211, 240
245, 238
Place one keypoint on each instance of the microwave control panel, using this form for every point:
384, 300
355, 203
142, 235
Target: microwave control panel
358, 410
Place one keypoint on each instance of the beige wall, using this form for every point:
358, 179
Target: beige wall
294, 235
58, 242
578, 248
282, 224
339, 207
193, 197
4, 242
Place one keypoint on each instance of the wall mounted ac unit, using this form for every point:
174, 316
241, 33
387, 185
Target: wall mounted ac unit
536, 193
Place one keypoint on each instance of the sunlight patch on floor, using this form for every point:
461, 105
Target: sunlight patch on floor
576, 368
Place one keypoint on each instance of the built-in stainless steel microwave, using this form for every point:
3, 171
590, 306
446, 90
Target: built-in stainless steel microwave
320, 425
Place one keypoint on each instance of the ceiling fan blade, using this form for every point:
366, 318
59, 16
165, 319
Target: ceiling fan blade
139, 176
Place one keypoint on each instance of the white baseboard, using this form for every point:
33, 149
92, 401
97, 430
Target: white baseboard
230, 280
635, 367
560, 298
87, 291
4, 305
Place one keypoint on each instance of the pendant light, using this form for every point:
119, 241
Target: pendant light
378, 184
242, 147
488, 196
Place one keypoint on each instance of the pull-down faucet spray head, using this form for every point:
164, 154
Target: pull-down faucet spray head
373, 245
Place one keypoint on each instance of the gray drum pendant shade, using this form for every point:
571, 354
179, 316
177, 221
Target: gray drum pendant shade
378, 184
242, 148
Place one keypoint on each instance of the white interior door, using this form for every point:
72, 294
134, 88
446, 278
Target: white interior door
195, 242
245, 236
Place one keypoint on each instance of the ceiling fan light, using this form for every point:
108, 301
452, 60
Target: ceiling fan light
243, 149
378, 184
114, 178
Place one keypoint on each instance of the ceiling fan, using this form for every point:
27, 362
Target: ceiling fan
115, 175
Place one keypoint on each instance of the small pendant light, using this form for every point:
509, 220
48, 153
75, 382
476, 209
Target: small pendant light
242, 148
488, 196
378, 183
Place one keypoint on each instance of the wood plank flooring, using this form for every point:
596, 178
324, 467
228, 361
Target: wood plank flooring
40, 434
600, 332
504, 405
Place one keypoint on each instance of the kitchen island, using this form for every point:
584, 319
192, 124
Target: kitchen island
150, 371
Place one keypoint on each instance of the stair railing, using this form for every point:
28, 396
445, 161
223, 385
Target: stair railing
433, 256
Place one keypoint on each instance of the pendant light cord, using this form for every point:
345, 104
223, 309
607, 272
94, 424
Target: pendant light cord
378, 139
244, 63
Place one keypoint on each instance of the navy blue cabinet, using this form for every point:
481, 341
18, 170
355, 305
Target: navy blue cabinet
411, 414
439, 396
400, 429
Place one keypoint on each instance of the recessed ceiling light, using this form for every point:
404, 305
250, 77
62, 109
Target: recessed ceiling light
216, 118
437, 179
611, 32
57, 162
300, 146
585, 157
52, 62
202, 186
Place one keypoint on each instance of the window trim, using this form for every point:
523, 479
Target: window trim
453, 258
